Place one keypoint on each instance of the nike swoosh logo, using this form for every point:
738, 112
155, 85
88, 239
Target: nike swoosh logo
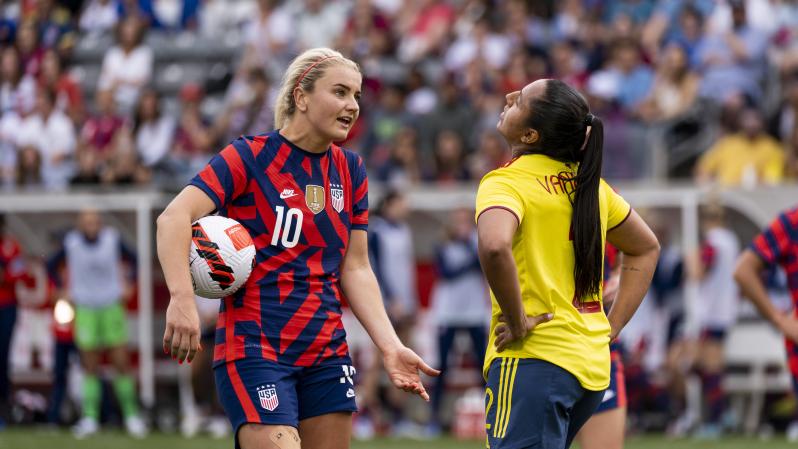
609, 394
287, 195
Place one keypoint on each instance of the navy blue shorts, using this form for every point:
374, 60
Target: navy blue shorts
615, 394
534, 403
258, 391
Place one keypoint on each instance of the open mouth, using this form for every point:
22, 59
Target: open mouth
345, 120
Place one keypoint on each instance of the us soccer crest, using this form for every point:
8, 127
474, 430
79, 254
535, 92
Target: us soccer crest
337, 196
268, 397
314, 198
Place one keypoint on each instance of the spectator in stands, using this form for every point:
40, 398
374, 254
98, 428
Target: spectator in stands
153, 130
99, 16
87, 171
51, 133
194, 139
269, 37
566, 65
402, 168
124, 166
421, 98
785, 120
386, 120
675, 87
12, 267
17, 90
69, 96
717, 310
319, 22
29, 48
491, 154
631, 77
55, 26
460, 300
731, 61
747, 158
479, 42
423, 27
28, 171
99, 132
364, 23
127, 67
249, 112
450, 156
452, 114
98, 285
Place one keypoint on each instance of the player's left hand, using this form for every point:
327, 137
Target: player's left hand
403, 366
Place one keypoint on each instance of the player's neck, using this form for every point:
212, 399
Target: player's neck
304, 139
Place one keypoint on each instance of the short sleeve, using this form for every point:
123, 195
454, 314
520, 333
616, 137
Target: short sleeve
618, 210
497, 191
772, 244
224, 178
360, 195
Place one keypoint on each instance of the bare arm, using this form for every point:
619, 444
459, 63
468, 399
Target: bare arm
640, 250
363, 293
495, 231
747, 275
181, 338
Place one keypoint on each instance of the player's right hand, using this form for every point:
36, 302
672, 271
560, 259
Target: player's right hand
181, 337
788, 324
505, 334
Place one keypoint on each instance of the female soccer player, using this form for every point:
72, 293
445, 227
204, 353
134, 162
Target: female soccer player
281, 361
542, 222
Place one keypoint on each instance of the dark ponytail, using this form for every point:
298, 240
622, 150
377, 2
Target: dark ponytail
586, 221
569, 133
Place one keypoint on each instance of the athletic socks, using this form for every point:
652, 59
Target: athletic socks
125, 390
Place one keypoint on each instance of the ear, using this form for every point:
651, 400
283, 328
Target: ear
300, 99
530, 136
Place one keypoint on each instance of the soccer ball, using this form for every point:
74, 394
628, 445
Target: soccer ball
222, 256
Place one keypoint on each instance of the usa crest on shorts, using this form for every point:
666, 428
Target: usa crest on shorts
268, 397
337, 195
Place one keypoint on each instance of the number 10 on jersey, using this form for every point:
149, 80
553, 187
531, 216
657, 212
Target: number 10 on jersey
288, 225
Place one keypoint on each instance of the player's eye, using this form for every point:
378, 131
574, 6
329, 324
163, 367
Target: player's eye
339, 92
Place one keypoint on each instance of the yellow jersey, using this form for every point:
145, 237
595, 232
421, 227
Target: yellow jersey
535, 188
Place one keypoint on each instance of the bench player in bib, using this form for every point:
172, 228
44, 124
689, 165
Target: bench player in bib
281, 361
542, 222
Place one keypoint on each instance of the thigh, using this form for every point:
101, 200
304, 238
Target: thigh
528, 403
87, 328
113, 326
604, 430
322, 390
261, 436
330, 431
257, 391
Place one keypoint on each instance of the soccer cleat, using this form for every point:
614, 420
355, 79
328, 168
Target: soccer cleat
85, 428
136, 427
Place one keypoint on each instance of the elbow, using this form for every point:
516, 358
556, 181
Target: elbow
492, 249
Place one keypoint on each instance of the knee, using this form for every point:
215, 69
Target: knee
258, 436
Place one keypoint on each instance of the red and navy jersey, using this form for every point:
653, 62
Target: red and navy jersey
299, 207
778, 245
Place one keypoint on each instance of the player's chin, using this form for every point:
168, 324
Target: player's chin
340, 132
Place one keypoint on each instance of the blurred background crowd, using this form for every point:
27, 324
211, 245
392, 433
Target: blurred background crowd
120, 94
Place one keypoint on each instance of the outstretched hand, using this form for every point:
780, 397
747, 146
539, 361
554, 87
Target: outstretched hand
505, 334
403, 368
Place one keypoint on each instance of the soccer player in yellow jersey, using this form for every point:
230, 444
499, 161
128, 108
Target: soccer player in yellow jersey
542, 223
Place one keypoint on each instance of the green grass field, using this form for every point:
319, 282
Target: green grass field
33, 438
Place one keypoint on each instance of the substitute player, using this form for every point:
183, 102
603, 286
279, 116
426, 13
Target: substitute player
542, 222
776, 245
281, 362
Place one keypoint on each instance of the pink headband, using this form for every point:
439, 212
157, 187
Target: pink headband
301, 77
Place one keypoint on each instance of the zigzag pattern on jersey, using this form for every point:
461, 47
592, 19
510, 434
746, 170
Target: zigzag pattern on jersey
209, 251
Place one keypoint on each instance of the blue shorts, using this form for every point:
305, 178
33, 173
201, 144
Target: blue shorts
615, 394
534, 403
258, 391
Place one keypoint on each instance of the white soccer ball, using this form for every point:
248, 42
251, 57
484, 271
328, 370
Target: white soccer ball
221, 258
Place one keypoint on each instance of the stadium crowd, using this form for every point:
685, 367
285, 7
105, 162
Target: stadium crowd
699, 89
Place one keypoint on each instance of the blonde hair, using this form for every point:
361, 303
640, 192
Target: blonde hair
303, 72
